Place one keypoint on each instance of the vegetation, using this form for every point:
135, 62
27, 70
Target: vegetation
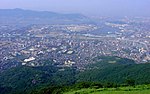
108, 91
25, 79
108, 74
116, 70
95, 88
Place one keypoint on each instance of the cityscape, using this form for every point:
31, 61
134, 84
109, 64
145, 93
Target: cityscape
74, 45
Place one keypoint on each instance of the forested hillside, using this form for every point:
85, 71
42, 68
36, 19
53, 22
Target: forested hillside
106, 72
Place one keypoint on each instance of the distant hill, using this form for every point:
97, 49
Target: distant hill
21, 16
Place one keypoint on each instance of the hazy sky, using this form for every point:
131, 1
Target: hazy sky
89, 7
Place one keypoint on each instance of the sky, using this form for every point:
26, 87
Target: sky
87, 7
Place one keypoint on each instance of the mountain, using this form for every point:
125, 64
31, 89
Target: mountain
108, 69
21, 16
116, 70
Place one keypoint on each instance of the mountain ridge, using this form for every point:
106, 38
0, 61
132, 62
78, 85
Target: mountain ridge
39, 17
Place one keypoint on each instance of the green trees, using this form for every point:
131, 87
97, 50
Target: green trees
5, 90
51, 79
130, 82
106, 71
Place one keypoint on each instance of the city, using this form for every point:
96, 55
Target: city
74, 45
